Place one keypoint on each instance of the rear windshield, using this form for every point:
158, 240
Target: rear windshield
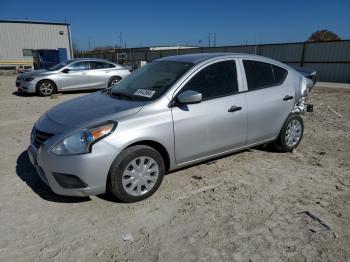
150, 81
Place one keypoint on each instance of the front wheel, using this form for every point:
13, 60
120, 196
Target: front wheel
136, 173
45, 88
291, 134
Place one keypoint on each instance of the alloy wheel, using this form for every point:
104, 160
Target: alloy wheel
46, 88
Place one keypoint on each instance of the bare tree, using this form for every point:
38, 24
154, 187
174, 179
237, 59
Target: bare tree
103, 48
76, 49
323, 36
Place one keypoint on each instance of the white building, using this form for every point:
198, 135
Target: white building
19, 38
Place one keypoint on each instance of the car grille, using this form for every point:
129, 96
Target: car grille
39, 137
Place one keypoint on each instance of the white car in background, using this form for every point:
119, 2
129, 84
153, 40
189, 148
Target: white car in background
75, 74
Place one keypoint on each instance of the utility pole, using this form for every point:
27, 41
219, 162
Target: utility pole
214, 39
255, 44
120, 40
209, 39
89, 43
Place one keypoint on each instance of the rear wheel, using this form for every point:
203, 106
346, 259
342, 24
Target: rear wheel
45, 88
136, 173
291, 134
114, 80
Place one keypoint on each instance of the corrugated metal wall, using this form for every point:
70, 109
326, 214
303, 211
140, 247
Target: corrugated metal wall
330, 59
14, 37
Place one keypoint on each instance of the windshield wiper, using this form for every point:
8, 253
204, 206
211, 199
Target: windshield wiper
121, 95
155, 86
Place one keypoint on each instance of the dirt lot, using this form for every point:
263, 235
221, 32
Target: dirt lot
244, 207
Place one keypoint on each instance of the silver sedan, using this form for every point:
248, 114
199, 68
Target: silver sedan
169, 114
75, 74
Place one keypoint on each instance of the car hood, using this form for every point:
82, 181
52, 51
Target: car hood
34, 73
92, 109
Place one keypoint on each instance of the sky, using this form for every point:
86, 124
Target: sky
158, 23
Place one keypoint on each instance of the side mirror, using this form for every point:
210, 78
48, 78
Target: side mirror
66, 71
189, 97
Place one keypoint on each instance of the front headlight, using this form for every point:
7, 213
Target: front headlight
82, 141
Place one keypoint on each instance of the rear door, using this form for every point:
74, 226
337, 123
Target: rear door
76, 78
270, 99
211, 126
100, 73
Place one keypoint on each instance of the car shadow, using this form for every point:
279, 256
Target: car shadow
108, 196
269, 148
266, 148
23, 94
27, 173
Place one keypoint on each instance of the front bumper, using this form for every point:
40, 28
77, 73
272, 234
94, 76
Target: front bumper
25, 86
91, 169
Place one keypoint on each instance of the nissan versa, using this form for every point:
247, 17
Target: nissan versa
171, 113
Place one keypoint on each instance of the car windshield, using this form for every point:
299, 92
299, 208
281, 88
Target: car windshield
150, 81
59, 66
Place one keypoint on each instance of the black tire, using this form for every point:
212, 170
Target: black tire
280, 143
114, 80
115, 185
41, 92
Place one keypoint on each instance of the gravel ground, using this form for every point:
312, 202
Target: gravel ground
243, 207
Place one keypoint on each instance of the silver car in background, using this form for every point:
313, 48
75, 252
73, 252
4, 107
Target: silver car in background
171, 113
75, 74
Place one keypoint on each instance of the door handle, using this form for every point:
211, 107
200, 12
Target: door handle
288, 97
234, 108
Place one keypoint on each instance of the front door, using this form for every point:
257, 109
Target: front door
218, 123
76, 77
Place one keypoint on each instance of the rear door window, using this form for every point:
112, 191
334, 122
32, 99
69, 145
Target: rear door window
216, 80
97, 65
260, 74
100, 65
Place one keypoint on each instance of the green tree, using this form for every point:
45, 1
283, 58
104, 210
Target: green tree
323, 36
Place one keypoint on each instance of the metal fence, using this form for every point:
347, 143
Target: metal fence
330, 59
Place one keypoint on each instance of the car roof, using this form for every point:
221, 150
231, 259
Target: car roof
89, 59
200, 57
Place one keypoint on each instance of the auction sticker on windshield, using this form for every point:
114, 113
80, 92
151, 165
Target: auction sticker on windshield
144, 92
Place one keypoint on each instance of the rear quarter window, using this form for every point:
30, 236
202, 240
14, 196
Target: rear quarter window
261, 75
108, 65
279, 74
